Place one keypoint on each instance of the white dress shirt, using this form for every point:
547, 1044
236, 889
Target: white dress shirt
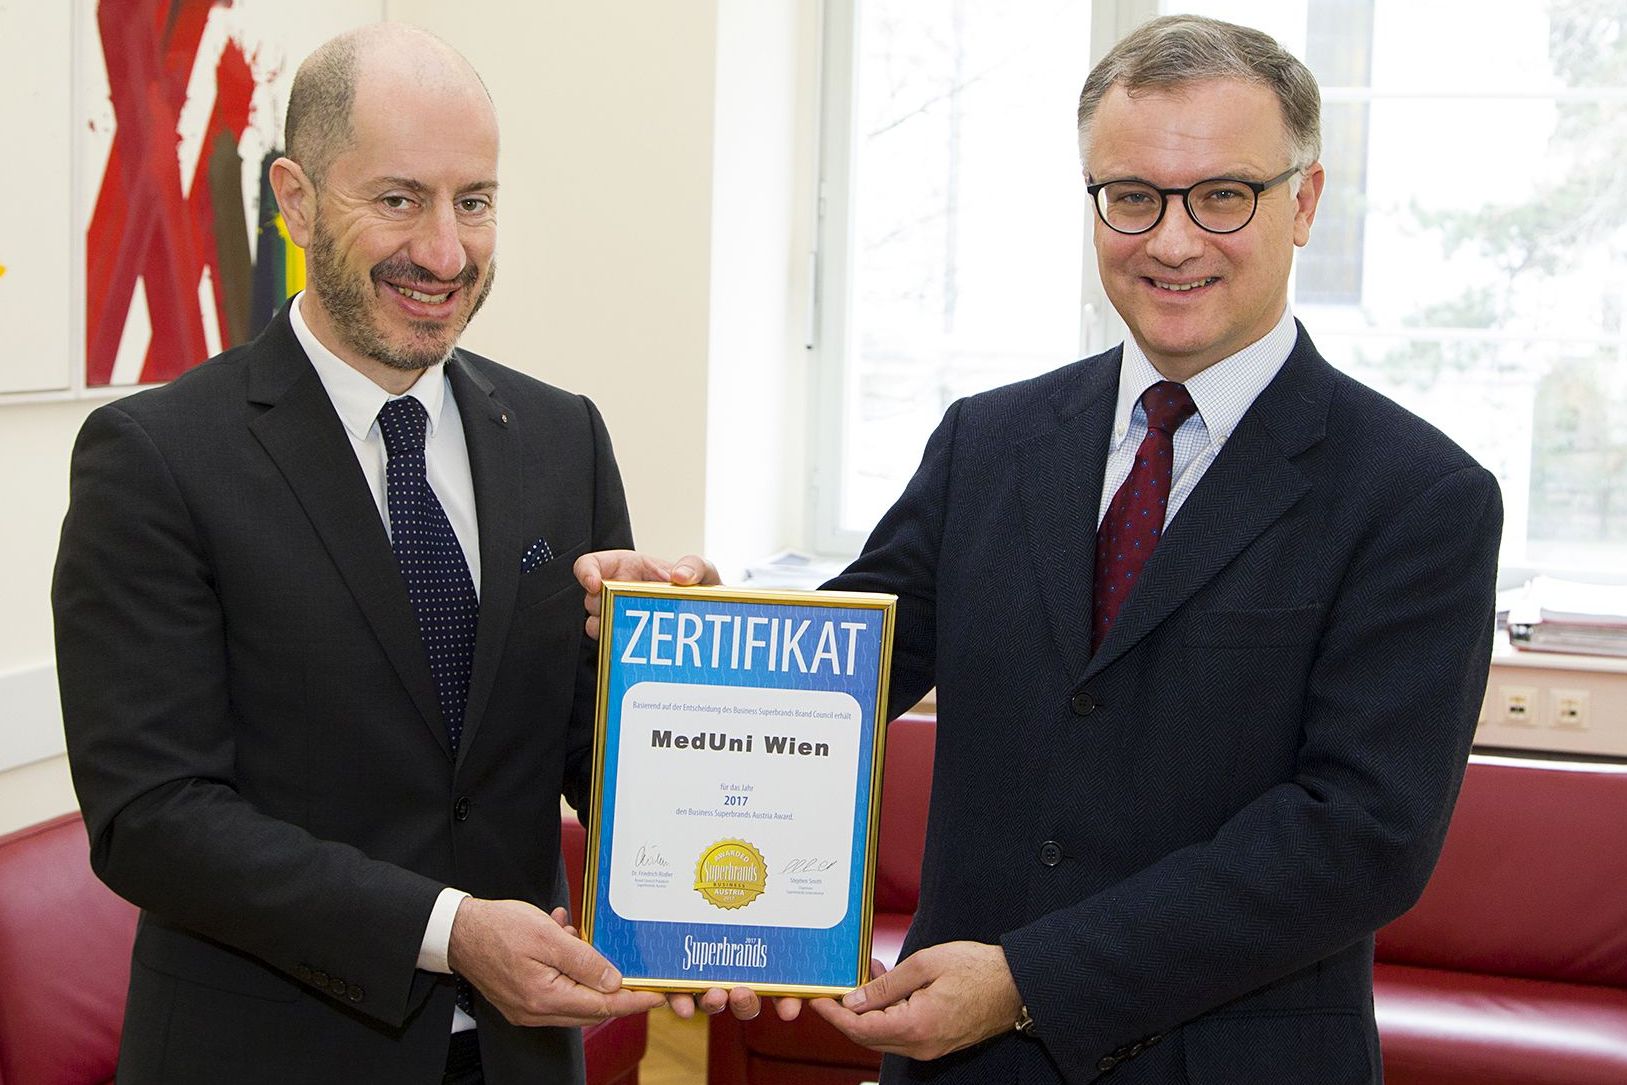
357, 400
1223, 393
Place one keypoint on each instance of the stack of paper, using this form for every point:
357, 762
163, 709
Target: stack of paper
1555, 615
791, 569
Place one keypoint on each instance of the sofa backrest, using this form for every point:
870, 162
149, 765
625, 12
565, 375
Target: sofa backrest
1530, 882
573, 847
64, 959
905, 793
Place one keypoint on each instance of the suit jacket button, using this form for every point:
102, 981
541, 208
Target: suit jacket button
1107, 1063
302, 972
1050, 853
319, 978
337, 986
460, 809
355, 993
1083, 704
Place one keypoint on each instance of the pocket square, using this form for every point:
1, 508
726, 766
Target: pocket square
538, 553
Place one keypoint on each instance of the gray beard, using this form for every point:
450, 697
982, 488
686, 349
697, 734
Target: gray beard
348, 305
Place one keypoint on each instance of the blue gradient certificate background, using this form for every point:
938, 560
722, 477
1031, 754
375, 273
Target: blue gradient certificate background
781, 739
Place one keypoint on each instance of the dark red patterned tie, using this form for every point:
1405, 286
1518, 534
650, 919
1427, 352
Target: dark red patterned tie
1135, 519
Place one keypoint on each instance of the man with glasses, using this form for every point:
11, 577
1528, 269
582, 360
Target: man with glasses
1209, 624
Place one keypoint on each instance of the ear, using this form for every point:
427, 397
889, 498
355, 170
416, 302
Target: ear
1310, 194
296, 198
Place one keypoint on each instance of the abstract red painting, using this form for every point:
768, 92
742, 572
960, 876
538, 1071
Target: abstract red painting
184, 252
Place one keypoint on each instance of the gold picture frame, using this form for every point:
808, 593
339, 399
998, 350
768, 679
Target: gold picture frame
737, 770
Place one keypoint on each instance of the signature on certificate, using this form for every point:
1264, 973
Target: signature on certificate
808, 866
649, 855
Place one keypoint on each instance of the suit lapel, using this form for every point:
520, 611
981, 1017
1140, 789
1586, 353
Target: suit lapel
1251, 483
1059, 475
303, 436
494, 460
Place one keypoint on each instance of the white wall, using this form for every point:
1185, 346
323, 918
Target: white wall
605, 215
654, 224
656, 216
35, 439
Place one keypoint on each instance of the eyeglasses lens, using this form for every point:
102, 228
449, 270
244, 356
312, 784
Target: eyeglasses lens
1220, 205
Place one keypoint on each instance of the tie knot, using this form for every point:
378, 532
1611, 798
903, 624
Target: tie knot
1167, 405
403, 422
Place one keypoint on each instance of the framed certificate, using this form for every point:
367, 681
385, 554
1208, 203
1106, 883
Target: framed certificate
737, 779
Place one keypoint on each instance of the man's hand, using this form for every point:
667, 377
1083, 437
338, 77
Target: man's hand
534, 971
939, 1000
740, 1001
743, 1002
592, 570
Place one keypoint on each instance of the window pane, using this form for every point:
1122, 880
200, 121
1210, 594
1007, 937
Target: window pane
1470, 254
968, 219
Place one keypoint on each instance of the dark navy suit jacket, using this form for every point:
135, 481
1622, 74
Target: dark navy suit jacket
255, 736
1186, 841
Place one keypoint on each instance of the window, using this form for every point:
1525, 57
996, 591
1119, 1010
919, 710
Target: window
1469, 258
953, 230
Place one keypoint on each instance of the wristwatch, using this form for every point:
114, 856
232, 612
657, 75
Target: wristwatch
1025, 1023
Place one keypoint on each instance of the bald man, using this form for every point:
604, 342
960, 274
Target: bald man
318, 640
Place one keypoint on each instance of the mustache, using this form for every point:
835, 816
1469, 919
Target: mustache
407, 273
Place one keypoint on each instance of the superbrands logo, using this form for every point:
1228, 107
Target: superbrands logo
724, 953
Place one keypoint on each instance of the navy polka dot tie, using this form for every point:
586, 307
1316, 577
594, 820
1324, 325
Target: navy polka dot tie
1135, 519
438, 581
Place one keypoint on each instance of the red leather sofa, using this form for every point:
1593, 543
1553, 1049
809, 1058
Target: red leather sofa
65, 965
64, 959
614, 1048
1512, 967
1510, 970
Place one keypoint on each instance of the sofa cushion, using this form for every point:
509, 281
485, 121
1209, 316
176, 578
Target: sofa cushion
1447, 1027
887, 936
907, 782
573, 846
806, 1073
1529, 882
807, 1041
65, 954
65, 944
614, 1048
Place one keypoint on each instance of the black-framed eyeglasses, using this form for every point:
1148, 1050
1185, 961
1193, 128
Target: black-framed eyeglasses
1220, 205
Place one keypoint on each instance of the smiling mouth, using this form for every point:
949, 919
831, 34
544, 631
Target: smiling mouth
426, 299
1181, 288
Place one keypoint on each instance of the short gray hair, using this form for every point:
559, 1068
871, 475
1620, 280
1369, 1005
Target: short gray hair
1175, 50
317, 127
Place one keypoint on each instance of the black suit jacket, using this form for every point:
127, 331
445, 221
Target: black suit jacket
1185, 841
254, 734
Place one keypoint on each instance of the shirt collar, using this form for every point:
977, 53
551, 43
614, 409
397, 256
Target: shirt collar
1223, 392
356, 399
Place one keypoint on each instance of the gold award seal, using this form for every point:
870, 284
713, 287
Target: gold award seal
731, 874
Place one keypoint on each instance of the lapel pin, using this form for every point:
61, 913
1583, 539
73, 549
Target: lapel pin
503, 418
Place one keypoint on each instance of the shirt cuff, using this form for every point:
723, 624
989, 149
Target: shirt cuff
438, 931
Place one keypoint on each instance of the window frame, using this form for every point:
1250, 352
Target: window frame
829, 343
830, 328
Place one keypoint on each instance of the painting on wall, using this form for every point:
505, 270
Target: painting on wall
181, 112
